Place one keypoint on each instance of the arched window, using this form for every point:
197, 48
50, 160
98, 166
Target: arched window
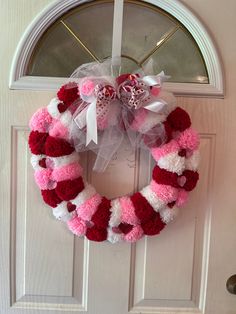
71, 33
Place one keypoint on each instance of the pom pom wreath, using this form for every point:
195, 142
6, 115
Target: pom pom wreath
153, 226
189, 139
77, 226
68, 93
167, 134
179, 119
96, 234
69, 189
37, 142
143, 209
40, 120
56, 147
51, 198
101, 217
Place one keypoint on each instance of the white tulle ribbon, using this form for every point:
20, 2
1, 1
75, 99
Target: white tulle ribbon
152, 80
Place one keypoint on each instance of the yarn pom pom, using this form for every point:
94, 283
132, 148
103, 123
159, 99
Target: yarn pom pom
179, 119
69, 189
154, 225
102, 215
189, 139
51, 198
40, 120
68, 93
96, 234
37, 142
162, 176
57, 147
143, 209
77, 226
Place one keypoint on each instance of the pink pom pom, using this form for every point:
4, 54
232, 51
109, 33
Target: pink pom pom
77, 226
86, 210
166, 193
168, 148
87, 88
59, 130
40, 120
182, 198
135, 234
43, 179
189, 139
67, 172
128, 211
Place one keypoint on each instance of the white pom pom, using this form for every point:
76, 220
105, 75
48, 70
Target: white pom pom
115, 210
66, 118
152, 198
35, 161
113, 237
64, 160
192, 162
172, 162
169, 214
53, 109
61, 212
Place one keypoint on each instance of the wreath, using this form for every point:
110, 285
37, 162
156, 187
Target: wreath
94, 113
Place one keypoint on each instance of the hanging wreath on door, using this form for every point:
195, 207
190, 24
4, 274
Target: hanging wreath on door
95, 112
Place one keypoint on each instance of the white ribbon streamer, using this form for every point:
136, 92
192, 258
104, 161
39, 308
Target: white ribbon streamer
91, 123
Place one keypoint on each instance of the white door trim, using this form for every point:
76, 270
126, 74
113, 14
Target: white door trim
18, 80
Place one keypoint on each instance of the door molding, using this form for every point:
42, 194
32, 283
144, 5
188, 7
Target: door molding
18, 79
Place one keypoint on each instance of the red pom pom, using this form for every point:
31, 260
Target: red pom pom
37, 142
57, 147
154, 225
143, 209
96, 234
69, 189
191, 179
182, 153
68, 93
102, 215
51, 198
125, 228
162, 176
179, 119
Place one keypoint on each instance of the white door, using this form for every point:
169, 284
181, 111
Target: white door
44, 269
